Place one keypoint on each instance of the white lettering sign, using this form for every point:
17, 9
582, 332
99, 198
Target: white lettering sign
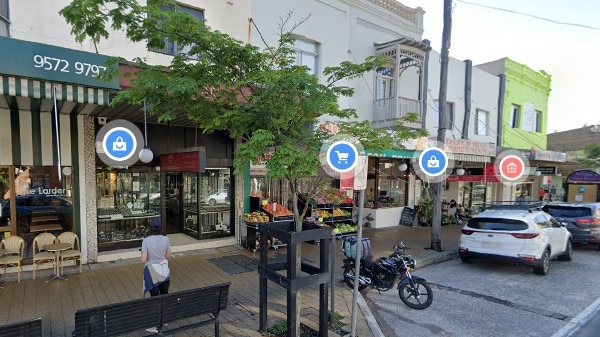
64, 66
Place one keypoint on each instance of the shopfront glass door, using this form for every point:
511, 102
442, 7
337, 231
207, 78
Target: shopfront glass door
173, 203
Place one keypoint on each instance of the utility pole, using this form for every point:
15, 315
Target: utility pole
436, 225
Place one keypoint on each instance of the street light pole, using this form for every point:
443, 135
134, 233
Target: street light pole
436, 223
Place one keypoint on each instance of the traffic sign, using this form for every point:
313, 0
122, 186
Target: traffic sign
433, 161
342, 156
511, 167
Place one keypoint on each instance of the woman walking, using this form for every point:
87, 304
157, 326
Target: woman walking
156, 250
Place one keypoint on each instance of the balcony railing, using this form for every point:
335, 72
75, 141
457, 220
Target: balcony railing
389, 110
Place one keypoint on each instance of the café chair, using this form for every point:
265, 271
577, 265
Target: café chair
14, 246
72, 254
40, 255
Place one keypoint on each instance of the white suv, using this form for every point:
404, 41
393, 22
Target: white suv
520, 234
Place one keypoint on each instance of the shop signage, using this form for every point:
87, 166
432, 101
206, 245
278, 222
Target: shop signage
554, 156
462, 146
183, 162
583, 176
46, 62
474, 178
547, 170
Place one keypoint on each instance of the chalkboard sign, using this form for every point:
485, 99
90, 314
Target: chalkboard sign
408, 216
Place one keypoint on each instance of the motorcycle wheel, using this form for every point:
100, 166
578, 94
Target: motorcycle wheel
350, 270
418, 297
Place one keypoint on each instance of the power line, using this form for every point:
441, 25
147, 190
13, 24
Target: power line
531, 15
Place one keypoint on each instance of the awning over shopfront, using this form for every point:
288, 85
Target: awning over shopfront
472, 158
392, 153
31, 88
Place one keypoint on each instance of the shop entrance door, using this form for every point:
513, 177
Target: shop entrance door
173, 203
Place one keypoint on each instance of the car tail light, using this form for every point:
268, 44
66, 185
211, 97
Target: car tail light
593, 221
525, 235
467, 232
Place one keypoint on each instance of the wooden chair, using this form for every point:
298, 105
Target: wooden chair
41, 256
72, 254
14, 246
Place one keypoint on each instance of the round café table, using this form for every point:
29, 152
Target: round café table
57, 248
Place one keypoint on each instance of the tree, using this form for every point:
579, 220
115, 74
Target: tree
592, 156
258, 96
222, 84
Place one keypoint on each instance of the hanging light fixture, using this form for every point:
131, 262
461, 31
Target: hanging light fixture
537, 171
146, 154
460, 171
402, 167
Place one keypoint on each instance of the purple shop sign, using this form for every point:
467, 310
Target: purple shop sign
583, 176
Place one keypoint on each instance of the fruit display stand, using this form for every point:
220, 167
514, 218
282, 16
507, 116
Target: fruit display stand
336, 215
268, 213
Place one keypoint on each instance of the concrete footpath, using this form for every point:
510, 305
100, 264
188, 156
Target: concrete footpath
118, 281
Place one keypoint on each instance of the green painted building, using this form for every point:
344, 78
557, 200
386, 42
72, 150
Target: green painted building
524, 102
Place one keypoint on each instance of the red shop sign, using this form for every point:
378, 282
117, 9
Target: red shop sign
183, 162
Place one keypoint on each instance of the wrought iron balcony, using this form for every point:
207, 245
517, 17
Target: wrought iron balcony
388, 110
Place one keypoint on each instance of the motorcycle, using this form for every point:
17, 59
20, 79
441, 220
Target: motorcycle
382, 274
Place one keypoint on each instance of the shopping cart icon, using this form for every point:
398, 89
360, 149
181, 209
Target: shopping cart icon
342, 157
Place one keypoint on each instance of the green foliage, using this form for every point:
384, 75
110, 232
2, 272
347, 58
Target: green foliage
278, 329
224, 85
592, 156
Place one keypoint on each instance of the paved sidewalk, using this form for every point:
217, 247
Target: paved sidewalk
117, 281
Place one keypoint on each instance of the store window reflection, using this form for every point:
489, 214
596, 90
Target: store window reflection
43, 200
387, 183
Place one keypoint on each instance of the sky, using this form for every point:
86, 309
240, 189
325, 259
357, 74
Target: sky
568, 52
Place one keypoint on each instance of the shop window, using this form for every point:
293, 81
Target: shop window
4, 18
384, 83
307, 54
43, 201
482, 123
172, 47
127, 200
386, 183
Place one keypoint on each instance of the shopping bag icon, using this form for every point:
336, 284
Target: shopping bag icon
119, 145
433, 162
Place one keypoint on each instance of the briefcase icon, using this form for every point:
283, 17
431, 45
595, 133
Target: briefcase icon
433, 162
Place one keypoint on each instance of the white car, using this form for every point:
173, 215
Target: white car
521, 234
220, 196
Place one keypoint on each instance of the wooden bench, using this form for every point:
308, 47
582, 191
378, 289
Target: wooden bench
109, 320
32, 327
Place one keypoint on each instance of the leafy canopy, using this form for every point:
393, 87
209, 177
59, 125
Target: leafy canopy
257, 95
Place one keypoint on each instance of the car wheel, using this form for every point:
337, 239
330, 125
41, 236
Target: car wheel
568, 255
464, 258
543, 265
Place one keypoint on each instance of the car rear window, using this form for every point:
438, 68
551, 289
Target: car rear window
567, 211
497, 224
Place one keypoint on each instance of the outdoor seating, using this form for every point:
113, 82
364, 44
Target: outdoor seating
40, 255
13, 245
72, 254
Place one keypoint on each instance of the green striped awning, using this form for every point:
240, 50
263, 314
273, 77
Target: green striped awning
26, 87
392, 153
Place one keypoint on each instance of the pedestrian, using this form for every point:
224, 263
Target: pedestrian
156, 250
542, 194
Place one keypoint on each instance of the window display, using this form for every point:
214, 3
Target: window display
127, 200
387, 183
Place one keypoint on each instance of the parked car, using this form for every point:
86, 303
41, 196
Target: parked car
220, 196
522, 234
582, 219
